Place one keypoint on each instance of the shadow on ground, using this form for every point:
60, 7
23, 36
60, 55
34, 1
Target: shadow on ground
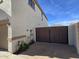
1, 49
51, 50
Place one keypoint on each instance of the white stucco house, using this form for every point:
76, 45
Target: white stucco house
18, 20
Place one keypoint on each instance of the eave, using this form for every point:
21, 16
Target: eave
35, 1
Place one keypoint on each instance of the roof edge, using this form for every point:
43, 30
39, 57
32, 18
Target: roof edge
40, 8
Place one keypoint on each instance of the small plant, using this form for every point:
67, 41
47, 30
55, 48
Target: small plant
23, 46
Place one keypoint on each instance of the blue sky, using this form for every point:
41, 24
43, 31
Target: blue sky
61, 12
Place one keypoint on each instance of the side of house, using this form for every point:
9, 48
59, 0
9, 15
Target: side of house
24, 16
73, 31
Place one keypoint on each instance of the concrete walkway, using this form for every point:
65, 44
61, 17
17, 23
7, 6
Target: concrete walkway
44, 51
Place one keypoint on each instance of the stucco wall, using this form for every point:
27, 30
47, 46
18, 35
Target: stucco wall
77, 35
72, 35
6, 6
15, 44
24, 19
3, 15
73, 31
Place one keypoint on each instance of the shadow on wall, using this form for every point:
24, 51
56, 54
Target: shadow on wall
51, 50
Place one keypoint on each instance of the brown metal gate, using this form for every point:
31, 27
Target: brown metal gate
42, 34
52, 34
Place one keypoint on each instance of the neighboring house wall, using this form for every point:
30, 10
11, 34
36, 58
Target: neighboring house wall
23, 19
74, 35
77, 40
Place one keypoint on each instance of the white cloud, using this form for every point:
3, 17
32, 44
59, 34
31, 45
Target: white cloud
64, 23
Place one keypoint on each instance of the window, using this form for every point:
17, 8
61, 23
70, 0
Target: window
32, 4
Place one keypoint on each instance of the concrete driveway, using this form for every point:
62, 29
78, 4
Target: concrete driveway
41, 50
44, 51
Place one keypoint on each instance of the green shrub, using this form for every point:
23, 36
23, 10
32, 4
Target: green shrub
23, 46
